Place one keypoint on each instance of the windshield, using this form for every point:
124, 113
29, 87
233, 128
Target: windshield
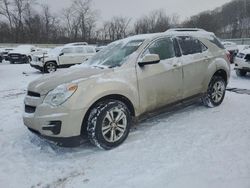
115, 54
55, 51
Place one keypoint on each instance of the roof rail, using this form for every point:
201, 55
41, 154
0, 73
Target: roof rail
185, 29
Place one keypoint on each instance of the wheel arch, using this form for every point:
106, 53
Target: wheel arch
51, 61
118, 97
221, 73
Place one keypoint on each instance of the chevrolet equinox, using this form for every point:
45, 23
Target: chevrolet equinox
128, 79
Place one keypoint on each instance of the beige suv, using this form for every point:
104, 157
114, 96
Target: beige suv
128, 79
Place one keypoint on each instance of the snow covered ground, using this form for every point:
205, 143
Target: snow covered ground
192, 147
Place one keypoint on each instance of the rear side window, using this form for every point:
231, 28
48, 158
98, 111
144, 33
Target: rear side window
190, 45
79, 50
163, 47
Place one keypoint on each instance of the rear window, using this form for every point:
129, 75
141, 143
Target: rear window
216, 41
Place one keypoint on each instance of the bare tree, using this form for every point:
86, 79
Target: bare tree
156, 21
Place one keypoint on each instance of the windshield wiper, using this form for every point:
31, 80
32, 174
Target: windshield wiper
113, 66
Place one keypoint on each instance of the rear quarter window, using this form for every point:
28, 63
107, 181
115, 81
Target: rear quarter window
217, 42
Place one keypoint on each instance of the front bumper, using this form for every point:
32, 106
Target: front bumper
241, 64
60, 141
59, 124
37, 65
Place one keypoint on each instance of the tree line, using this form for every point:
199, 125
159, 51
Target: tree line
28, 21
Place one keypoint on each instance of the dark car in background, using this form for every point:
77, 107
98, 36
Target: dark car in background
21, 54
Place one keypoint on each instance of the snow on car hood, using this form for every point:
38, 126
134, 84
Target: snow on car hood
49, 82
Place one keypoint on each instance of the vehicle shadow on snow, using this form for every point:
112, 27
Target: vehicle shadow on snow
33, 73
51, 147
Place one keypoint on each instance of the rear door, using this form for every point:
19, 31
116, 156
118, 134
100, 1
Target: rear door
195, 58
160, 84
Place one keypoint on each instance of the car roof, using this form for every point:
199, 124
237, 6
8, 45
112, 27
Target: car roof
194, 32
83, 46
77, 44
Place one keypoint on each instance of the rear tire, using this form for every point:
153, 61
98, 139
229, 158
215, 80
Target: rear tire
215, 93
50, 67
108, 124
241, 73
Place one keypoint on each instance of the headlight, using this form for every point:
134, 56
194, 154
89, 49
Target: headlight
60, 94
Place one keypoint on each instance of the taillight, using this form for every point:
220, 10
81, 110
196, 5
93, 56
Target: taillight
229, 57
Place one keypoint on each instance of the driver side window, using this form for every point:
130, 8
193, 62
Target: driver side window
163, 47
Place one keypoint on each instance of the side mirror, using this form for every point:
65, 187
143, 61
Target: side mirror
61, 54
149, 59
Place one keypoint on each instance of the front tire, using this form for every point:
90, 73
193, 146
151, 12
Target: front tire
215, 93
108, 124
241, 73
50, 67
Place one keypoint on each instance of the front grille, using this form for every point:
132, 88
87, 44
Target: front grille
33, 94
30, 109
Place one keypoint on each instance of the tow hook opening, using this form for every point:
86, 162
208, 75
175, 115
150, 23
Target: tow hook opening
54, 127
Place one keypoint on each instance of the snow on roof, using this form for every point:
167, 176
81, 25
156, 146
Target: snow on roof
196, 32
76, 44
171, 32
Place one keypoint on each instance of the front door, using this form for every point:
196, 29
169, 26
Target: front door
160, 84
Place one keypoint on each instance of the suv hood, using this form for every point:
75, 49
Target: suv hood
49, 82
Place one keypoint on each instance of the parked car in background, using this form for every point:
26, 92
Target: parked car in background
127, 80
243, 47
232, 48
1, 54
242, 62
62, 57
4, 52
1, 57
40, 52
76, 44
21, 54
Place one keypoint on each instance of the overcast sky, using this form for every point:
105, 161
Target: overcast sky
137, 8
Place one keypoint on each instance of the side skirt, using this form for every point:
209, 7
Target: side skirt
170, 108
